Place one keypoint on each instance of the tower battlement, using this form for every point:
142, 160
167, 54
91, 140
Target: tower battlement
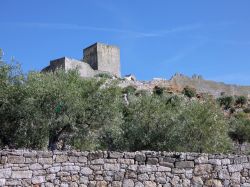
97, 58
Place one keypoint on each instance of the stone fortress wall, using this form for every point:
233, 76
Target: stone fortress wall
179, 81
206, 86
98, 58
116, 169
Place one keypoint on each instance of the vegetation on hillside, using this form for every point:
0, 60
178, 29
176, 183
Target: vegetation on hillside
61, 110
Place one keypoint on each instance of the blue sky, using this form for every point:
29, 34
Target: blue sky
157, 37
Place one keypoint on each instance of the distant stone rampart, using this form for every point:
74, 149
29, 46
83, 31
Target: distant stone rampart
206, 86
128, 169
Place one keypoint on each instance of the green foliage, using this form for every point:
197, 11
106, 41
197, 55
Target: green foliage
226, 101
240, 130
105, 75
146, 121
60, 109
203, 128
129, 90
168, 123
158, 90
247, 110
189, 92
240, 100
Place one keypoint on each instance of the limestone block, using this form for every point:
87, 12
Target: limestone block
113, 167
149, 184
54, 169
86, 171
2, 182
184, 164
139, 157
225, 161
116, 155
152, 161
61, 158
49, 184
101, 184
129, 155
240, 160
97, 161
21, 174
147, 168
139, 184
128, 183
95, 155
31, 160
203, 169
45, 160
161, 180
164, 169
216, 162
35, 166
82, 159
73, 184
5, 173
126, 161
167, 164
214, 182
143, 177
16, 159
201, 160
119, 176
224, 174
116, 184
235, 168
70, 168
38, 179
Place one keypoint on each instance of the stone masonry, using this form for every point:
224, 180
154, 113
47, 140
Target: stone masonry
128, 169
98, 58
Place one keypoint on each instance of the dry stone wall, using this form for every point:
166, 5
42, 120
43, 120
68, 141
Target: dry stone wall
102, 169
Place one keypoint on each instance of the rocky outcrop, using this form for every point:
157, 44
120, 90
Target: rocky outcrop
146, 168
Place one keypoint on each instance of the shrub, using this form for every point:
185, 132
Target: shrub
158, 90
105, 75
240, 130
189, 92
203, 128
129, 90
226, 101
247, 110
240, 100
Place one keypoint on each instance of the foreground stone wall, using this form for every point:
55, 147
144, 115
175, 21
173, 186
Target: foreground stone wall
101, 169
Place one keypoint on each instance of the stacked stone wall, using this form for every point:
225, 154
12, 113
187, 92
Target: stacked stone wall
102, 169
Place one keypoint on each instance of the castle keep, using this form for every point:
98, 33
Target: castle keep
97, 58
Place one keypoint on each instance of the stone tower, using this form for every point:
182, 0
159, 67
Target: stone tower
102, 57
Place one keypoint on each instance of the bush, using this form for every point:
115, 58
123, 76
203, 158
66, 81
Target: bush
168, 123
129, 90
203, 128
226, 102
240, 130
247, 110
240, 100
189, 92
158, 90
105, 75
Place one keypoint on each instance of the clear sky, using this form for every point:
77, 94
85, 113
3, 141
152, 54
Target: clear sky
157, 37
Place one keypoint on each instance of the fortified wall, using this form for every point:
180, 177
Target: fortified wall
97, 58
128, 169
179, 81
206, 86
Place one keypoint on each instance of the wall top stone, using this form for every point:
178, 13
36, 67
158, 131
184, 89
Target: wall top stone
105, 169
